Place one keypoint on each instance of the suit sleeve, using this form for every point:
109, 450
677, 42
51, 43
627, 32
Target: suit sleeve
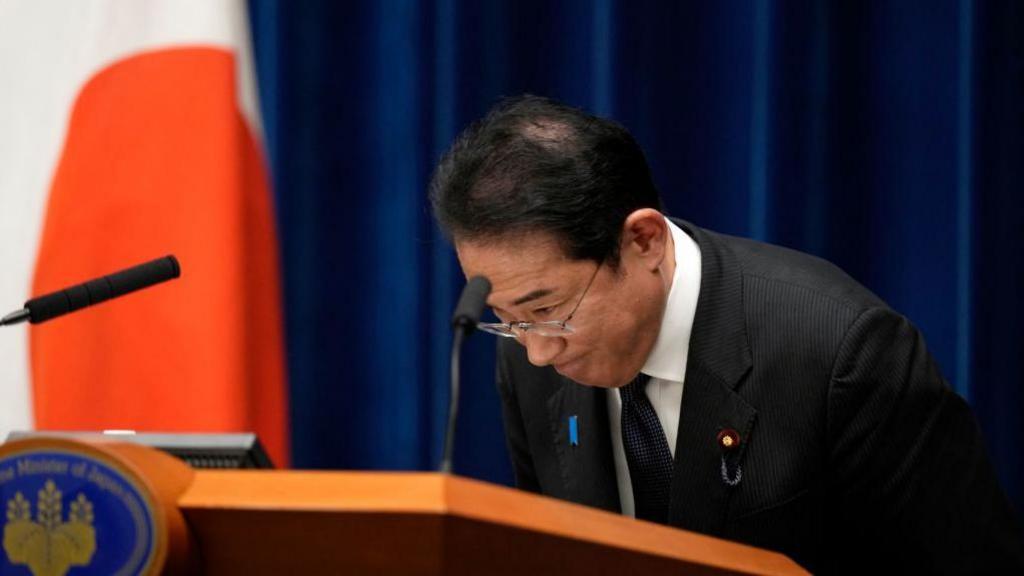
908, 461
515, 430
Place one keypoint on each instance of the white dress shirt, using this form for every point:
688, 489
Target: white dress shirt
666, 364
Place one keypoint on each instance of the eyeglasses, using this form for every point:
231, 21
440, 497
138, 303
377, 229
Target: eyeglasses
551, 329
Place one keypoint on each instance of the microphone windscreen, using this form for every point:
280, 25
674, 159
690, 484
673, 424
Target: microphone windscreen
101, 289
471, 303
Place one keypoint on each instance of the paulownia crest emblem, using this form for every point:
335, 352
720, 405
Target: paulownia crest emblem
49, 546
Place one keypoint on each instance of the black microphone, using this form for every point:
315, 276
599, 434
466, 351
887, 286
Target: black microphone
464, 320
471, 304
43, 308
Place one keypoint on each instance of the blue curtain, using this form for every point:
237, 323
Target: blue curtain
886, 137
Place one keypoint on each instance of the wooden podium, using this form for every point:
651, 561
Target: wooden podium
292, 523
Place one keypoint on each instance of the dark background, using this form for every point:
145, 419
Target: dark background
886, 137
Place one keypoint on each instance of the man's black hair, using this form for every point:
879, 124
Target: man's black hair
533, 165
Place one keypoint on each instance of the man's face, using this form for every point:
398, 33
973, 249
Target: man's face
617, 321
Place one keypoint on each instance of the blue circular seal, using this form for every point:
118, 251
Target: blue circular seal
65, 511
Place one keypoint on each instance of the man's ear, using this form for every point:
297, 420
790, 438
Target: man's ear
645, 237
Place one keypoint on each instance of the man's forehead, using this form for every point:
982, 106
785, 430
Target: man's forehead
520, 252
515, 267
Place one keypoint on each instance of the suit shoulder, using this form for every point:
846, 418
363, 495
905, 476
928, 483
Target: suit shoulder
797, 272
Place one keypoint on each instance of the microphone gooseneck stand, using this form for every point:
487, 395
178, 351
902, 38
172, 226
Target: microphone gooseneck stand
464, 320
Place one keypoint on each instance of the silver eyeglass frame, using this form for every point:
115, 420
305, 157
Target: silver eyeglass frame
550, 328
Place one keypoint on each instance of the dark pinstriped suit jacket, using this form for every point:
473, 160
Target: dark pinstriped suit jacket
855, 454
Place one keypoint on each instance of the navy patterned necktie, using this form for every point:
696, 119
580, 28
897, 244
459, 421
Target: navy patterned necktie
647, 452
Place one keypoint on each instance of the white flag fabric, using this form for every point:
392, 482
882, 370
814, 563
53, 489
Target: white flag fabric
129, 130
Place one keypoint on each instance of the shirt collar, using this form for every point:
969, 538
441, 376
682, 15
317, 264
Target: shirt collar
667, 359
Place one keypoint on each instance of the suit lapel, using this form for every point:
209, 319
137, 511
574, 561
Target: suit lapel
719, 358
700, 496
587, 468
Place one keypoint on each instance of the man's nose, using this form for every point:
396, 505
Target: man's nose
541, 350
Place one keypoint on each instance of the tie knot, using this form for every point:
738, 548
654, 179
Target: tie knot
630, 391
